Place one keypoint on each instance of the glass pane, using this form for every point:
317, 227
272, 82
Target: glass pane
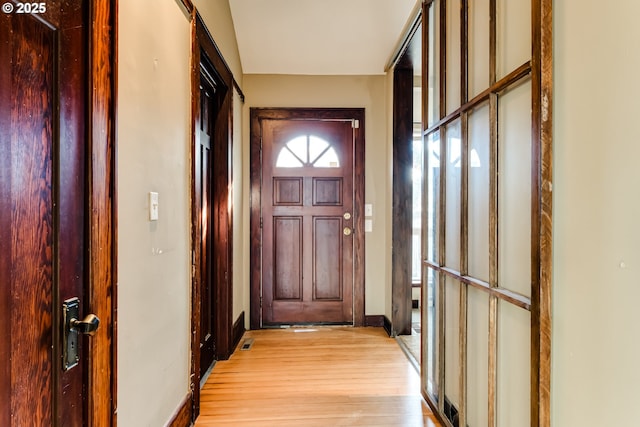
329, 159
453, 55
286, 159
298, 147
477, 358
453, 186
307, 150
433, 73
479, 156
429, 331
316, 147
514, 382
478, 46
514, 189
432, 199
513, 35
452, 342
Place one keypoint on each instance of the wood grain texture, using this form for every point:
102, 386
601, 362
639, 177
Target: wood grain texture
316, 377
184, 415
102, 213
71, 189
542, 105
546, 214
31, 107
5, 221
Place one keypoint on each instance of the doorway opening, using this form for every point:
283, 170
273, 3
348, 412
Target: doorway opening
212, 234
407, 290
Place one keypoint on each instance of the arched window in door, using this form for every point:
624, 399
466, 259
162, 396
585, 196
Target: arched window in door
307, 151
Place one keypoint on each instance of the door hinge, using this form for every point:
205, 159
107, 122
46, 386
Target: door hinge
260, 222
260, 301
355, 124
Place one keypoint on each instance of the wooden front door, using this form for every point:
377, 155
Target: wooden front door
307, 221
43, 209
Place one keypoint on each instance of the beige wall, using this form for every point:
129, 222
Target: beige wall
153, 257
342, 91
596, 348
154, 284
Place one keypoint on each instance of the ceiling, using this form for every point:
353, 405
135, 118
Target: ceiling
318, 37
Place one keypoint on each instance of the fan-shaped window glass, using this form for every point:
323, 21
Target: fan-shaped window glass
307, 150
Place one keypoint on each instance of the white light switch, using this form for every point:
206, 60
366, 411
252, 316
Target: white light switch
368, 226
368, 209
153, 206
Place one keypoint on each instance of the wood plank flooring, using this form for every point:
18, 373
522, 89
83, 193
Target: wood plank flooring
329, 376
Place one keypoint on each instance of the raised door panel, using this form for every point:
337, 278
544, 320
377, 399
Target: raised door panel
327, 258
287, 255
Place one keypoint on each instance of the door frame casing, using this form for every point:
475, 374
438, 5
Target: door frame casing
259, 114
222, 147
102, 211
407, 61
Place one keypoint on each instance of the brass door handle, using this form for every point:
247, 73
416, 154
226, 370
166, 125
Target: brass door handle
347, 231
87, 326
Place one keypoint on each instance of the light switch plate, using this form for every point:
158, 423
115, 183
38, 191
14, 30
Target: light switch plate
368, 209
368, 225
153, 206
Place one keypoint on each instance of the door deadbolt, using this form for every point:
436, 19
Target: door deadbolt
347, 216
72, 327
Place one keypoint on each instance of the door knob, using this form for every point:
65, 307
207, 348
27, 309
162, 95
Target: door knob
346, 231
87, 326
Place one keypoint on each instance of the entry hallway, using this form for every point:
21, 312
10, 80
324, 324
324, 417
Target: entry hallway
325, 376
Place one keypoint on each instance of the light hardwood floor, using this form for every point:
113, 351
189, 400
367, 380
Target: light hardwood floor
331, 376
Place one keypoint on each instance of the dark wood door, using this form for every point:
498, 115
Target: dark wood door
207, 218
43, 219
307, 220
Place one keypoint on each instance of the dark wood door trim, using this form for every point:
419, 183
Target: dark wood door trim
204, 48
402, 200
102, 210
259, 114
402, 225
